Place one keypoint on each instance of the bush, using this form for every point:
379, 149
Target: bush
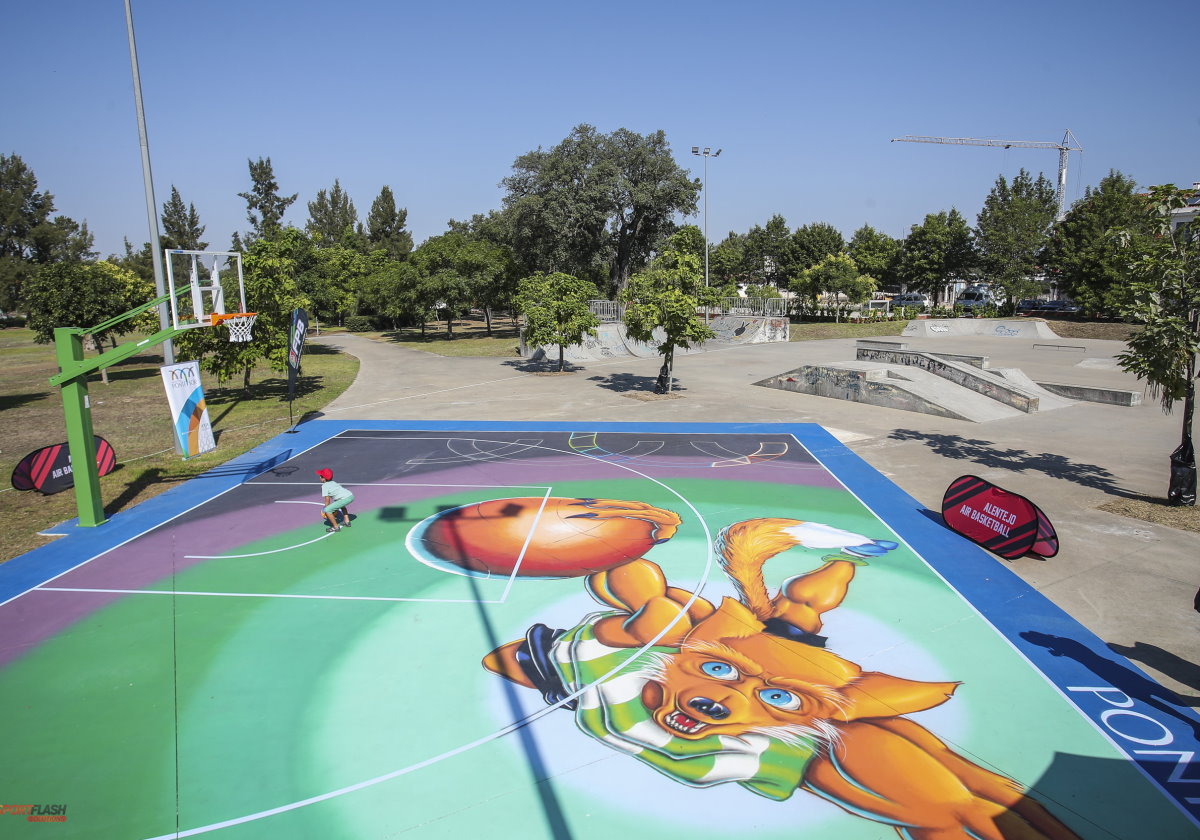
358, 323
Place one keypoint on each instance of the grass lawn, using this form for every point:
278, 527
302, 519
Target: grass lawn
131, 413
469, 337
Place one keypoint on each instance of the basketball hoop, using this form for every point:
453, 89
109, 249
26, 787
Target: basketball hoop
239, 324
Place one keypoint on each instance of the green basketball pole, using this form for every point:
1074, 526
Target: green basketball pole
68, 347
73, 371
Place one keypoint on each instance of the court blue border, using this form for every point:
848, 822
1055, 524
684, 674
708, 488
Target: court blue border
1010, 604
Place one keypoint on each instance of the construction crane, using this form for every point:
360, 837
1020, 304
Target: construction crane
1063, 147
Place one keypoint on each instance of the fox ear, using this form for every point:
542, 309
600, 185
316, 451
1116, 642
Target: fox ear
731, 620
881, 695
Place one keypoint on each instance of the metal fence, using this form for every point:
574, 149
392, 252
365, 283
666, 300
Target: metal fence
610, 310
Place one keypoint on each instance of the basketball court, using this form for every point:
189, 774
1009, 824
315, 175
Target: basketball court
214, 663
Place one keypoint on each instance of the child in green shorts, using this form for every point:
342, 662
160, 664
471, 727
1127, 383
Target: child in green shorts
337, 498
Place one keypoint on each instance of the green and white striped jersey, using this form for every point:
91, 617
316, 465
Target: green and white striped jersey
612, 711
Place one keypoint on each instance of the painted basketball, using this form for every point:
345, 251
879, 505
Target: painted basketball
548, 538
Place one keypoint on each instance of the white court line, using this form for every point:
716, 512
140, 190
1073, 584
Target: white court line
255, 553
262, 595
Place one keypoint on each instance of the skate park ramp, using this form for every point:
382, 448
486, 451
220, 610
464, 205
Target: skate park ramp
611, 340
891, 375
994, 327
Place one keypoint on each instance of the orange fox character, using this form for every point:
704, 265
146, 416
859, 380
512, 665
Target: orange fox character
754, 671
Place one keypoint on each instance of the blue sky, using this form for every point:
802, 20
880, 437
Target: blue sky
437, 100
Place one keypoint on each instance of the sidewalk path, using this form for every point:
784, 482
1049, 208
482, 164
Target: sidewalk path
1128, 581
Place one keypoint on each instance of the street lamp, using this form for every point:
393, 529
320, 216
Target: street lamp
706, 153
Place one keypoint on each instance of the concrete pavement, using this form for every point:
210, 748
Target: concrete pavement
1130, 582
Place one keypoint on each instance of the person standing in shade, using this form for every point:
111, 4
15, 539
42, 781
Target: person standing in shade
337, 498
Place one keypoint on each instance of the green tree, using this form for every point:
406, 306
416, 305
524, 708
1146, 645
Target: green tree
875, 253
596, 204
28, 236
1012, 230
726, 261
331, 278
331, 217
765, 291
1084, 257
181, 229
467, 271
271, 268
385, 226
1164, 267
768, 252
836, 274
264, 205
813, 243
689, 239
936, 252
79, 294
556, 310
181, 226
666, 297
394, 290
62, 240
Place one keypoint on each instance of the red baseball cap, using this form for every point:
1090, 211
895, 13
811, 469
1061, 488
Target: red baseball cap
326, 474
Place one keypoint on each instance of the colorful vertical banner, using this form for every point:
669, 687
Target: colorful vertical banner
186, 398
296, 349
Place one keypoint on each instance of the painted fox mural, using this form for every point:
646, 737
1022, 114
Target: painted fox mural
745, 691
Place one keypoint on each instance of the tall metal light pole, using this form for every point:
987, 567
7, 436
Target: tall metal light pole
706, 153
151, 205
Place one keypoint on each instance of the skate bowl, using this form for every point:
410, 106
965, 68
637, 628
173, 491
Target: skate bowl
993, 327
612, 341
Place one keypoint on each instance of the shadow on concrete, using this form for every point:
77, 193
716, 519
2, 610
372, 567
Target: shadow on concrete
545, 365
987, 454
1175, 667
1135, 685
623, 383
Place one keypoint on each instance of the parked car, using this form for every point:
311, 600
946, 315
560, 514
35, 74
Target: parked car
1059, 307
912, 299
975, 299
1028, 305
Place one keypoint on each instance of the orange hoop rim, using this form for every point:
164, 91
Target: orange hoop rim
218, 317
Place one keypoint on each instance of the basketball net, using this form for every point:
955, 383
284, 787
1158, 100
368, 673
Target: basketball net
239, 324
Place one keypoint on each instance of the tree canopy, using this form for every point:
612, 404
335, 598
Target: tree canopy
1164, 266
595, 205
875, 253
1012, 230
28, 235
385, 226
666, 297
181, 224
1083, 256
936, 252
98, 291
556, 310
264, 205
332, 219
